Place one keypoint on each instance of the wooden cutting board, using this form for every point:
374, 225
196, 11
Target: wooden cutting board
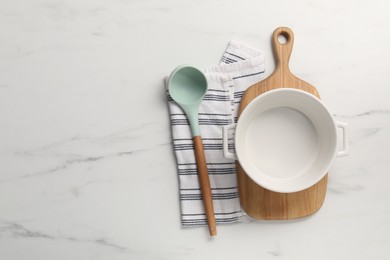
257, 201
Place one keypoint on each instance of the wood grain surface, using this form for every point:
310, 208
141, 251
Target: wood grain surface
257, 201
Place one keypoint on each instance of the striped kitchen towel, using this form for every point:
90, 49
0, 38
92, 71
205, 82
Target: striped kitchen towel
240, 67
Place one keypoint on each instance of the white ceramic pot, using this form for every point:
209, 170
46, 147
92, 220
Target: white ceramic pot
286, 140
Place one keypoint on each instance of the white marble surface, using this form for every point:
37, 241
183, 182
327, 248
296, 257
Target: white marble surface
87, 169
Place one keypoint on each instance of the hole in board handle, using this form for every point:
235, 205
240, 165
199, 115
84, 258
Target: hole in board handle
283, 38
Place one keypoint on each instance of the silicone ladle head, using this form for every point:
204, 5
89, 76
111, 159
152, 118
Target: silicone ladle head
187, 86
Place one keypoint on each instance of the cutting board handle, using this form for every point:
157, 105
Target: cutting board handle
282, 49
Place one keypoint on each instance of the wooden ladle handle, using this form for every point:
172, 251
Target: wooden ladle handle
204, 183
283, 50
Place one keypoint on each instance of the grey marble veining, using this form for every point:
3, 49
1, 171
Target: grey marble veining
87, 169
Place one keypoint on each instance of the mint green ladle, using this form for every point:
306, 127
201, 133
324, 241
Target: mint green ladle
187, 86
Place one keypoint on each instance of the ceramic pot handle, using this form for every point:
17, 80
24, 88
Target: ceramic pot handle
225, 138
345, 150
